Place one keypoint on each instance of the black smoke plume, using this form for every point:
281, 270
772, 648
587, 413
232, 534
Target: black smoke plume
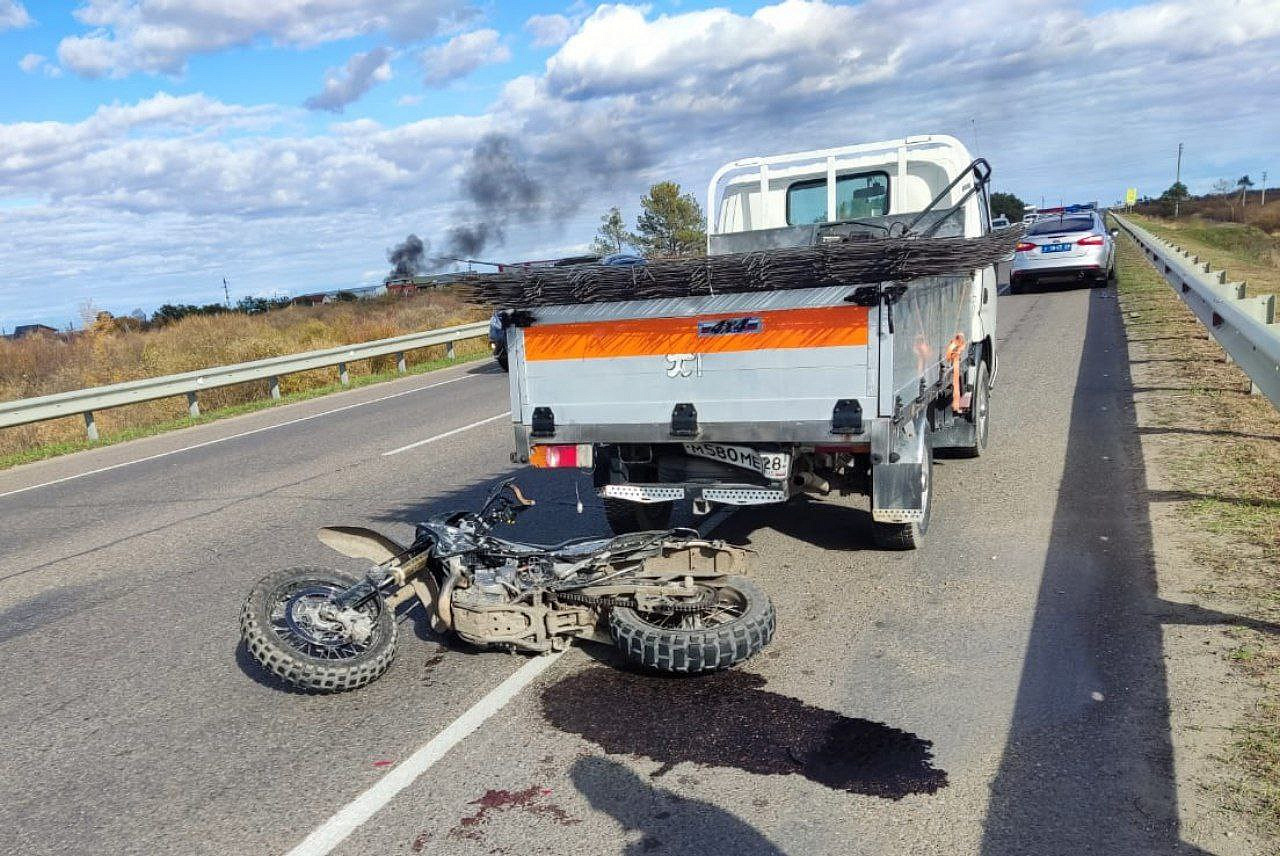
497, 188
407, 257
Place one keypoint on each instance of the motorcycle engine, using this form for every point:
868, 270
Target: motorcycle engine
505, 605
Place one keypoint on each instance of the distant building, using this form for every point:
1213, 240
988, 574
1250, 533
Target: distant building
24, 330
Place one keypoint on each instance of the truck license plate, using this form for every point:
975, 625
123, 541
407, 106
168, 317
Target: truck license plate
775, 466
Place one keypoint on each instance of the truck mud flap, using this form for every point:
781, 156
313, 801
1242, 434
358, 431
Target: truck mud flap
898, 478
897, 493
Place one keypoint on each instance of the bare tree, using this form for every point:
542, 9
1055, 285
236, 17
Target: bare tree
1223, 187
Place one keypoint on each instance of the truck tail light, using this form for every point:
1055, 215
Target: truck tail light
1024, 247
1090, 241
554, 456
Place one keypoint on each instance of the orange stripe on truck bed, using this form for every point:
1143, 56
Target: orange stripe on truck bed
820, 327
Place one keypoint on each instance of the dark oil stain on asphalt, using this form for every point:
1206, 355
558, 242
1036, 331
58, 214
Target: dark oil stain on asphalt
725, 719
531, 800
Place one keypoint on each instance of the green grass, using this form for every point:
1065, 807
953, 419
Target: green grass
53, 450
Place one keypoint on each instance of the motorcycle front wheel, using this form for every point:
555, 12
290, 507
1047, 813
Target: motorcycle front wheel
291, 626
737, 625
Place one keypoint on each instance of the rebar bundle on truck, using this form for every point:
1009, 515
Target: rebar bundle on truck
851, 260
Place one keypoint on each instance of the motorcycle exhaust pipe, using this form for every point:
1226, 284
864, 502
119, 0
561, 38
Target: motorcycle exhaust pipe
807, 482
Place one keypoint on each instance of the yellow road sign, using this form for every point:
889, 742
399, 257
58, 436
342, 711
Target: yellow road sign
1131, 196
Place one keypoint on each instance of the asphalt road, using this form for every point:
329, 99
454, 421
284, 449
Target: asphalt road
999, 691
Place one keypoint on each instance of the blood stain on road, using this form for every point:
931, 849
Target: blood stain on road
726, 720
531, 800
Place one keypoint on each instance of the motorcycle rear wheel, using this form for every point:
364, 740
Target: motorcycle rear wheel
313, 658
738, 626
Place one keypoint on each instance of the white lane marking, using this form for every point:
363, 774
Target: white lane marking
350, 817
233, 436
446, 434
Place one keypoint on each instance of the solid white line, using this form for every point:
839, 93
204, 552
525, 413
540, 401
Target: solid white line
233, 436
365, 806
446, 434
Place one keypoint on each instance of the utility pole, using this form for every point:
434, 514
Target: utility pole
1264, 187
974, 123
1177, 179
226, 292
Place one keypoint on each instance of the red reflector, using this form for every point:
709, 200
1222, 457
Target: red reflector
1024, 247
1091, 241
551, 457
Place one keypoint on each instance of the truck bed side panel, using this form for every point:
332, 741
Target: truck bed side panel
755, 367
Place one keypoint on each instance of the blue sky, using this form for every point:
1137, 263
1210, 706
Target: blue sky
150, 147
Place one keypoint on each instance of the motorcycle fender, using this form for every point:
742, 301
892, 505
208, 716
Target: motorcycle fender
360, 543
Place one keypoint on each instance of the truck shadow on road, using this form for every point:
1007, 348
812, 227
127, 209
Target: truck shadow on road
828, 525
1088, 765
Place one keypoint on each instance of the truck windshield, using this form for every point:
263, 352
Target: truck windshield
865, 194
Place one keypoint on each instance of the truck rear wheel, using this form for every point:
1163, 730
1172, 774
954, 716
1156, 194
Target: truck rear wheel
625, 516
909, 536
979, 414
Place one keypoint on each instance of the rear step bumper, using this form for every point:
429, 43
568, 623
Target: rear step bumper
723, 494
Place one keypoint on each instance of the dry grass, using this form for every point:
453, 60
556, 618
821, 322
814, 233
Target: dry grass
1247, 253
43, 365
1226, 209
1219, 453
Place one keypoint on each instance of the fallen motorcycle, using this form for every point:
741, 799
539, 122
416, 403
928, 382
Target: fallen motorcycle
669, 600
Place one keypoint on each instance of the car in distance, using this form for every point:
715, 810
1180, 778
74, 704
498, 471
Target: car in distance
498, 339
999, 222
1064, 248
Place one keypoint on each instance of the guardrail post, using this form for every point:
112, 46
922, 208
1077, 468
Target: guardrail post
448, 351
343, 377
1263, 308
401, 367
273, 384
193, 405
90, 427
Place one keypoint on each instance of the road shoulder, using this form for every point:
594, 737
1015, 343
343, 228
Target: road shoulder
1212, 461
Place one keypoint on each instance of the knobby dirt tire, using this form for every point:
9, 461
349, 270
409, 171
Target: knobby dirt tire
296, 668
625, 517
697, 650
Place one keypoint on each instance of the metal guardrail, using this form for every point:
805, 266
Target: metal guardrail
1244, 326
86, 401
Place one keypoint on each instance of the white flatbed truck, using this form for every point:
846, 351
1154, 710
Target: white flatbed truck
751, 398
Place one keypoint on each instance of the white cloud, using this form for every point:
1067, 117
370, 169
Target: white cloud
342, 86
134, 191
159, 36
13, 16
33, 62
550, 30
462, 55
